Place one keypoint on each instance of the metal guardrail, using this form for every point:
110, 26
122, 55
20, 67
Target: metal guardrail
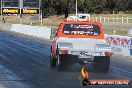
121, 45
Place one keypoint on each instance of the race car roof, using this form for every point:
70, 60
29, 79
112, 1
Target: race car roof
82, 22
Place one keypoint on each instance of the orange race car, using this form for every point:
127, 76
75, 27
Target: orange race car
80, 42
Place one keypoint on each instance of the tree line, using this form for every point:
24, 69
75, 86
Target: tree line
58, 7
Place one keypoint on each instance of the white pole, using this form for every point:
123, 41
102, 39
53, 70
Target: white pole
41, 18
40, 12
21, 7
1, 9
76, 10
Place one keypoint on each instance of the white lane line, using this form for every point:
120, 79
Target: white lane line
121, 70
125, 75
121, 76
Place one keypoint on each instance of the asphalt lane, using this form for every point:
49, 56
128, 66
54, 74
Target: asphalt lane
24, 63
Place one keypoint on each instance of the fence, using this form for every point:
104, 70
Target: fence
112, 19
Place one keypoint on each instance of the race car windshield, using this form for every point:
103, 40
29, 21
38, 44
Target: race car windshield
81, 29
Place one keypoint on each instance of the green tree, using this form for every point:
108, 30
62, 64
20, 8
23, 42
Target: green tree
93, 6
130, 5
111, 5
46, 7
123, 5
63, 6
58, 7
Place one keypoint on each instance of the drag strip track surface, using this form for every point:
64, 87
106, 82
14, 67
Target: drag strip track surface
24, 63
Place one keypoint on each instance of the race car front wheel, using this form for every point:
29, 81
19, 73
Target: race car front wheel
101, 64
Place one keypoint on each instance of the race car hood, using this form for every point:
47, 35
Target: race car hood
83, 44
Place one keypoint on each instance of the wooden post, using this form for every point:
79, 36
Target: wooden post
100, 18
117, 19
104, 19
109, 19
113, 19
93, 19
127, 20
96, 19
89, 19
122, 20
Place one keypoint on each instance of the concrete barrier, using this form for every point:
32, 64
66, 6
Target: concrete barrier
130, 32
121, 45
5, 26
42, 32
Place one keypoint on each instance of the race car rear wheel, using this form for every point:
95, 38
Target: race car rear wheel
63, 62
60, 62
101, 64
52, 61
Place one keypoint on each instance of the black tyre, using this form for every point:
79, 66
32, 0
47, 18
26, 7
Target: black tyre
63, 62
52, 61
60, 62
101, 64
